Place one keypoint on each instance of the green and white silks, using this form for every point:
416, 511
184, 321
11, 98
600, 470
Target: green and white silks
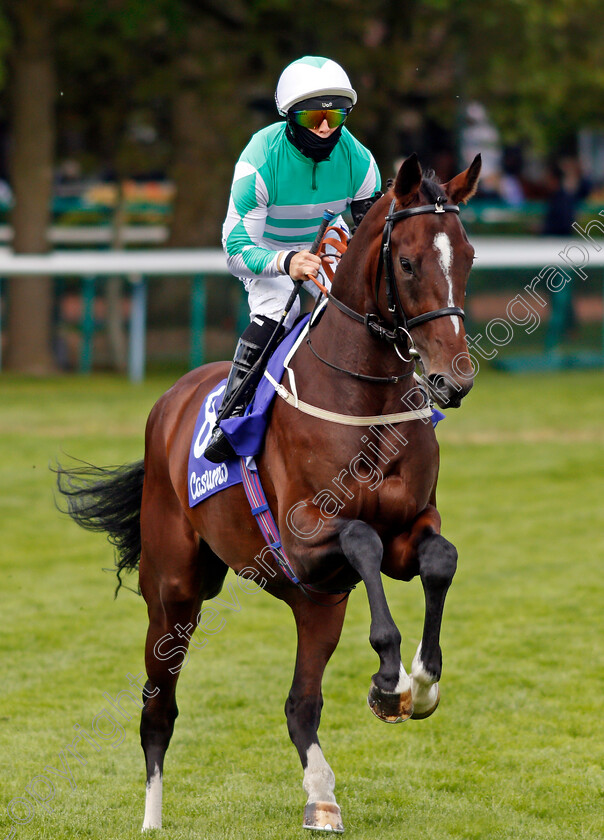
278, 197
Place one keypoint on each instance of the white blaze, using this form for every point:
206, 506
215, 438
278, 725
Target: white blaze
442, 244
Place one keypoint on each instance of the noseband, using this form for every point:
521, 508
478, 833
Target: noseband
374, 322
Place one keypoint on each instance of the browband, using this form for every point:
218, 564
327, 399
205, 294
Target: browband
418, 211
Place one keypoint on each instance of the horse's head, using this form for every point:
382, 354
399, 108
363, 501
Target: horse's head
430, 260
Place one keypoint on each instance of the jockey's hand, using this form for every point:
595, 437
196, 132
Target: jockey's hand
304, 263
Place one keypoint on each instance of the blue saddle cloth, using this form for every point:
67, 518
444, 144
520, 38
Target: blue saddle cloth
245, 434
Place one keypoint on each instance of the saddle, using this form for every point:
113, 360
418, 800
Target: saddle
245, 434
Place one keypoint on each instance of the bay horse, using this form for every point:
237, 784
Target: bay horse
349, 477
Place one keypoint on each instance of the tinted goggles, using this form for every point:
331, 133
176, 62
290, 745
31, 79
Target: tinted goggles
313, 119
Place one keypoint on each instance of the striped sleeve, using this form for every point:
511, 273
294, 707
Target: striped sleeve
245, 223
371, 182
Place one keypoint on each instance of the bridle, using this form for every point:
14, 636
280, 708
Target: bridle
397, 333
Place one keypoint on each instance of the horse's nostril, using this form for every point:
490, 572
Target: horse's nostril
438, 386
447, 392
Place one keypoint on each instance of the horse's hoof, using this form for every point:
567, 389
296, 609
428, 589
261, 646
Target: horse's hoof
424, 710
323, 816
390, 706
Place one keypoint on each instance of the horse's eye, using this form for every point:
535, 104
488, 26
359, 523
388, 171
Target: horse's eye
406, 265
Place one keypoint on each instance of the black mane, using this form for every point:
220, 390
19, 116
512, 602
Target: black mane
431, 186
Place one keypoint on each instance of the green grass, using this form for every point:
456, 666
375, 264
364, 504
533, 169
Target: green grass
515, 749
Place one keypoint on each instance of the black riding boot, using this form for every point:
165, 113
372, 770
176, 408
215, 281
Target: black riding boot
249, 349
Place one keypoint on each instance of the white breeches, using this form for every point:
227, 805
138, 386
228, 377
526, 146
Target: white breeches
268, 296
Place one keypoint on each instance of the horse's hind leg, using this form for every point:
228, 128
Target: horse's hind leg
319, 629
437, 559
176, 574
390, 696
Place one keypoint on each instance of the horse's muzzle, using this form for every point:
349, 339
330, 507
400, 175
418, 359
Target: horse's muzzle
447, 392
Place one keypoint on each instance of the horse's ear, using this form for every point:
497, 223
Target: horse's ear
408, 180
461, 188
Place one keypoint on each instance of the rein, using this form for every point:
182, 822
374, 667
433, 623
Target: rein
374, 321
363, 377
379, 328
340, 245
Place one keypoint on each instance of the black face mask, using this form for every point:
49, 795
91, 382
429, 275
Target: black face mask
311, 145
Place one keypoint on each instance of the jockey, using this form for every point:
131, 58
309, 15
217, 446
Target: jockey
286, 177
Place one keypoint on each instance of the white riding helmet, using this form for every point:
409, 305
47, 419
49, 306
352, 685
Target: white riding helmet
311, 76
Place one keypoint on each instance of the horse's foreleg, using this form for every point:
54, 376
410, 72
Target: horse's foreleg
437, 559
390, 694
319, 629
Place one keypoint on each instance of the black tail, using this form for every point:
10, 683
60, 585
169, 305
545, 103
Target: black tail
107, 499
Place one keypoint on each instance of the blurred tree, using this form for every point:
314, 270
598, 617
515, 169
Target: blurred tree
536, 66
210, 62
176, 87
149, 94
33, 91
